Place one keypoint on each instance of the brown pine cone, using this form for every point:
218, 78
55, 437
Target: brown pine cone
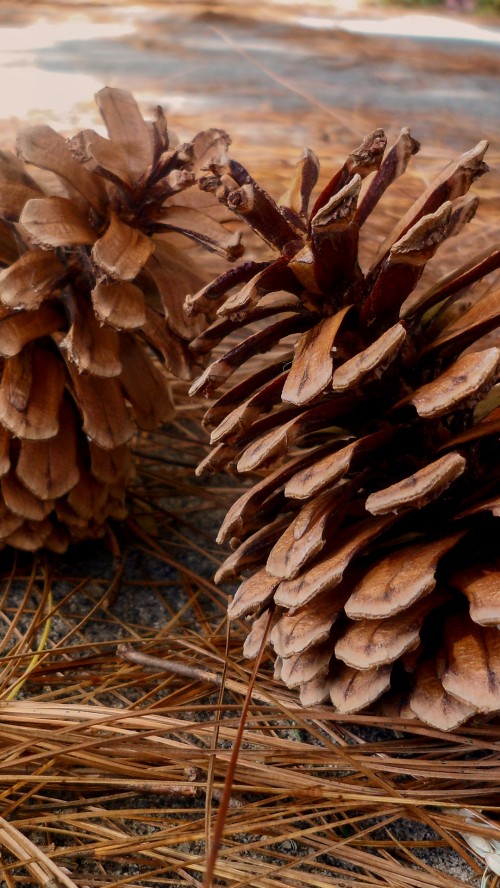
92, 321
372, 539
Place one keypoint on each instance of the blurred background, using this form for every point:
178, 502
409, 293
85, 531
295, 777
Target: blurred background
279, 76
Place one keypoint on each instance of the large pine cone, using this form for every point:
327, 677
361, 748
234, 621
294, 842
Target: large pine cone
91, 306
371, 543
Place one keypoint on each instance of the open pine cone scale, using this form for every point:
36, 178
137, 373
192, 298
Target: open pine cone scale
372, 536
93, 237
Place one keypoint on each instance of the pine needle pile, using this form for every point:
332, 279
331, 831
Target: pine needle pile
114, 763
112, 770
93, 235
371, 542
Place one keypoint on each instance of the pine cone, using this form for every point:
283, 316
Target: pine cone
373, 536
91, 305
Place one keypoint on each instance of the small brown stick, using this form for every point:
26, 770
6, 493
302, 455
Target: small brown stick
127, 652
198, 775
